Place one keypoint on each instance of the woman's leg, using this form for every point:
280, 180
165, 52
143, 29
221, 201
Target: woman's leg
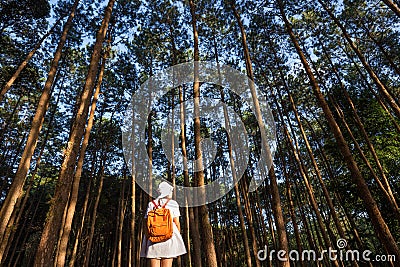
166, 262
155, 263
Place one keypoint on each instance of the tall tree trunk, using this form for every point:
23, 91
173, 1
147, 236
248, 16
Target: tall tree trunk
260, 218
249, 214
86, 258
190, 225
120, 225
186, 225
60, 258
82, 222
276, 202
150, 135
310, 238
143, 205
51, 230
374, 213
232, 162
207, 233
303, 170
26, 225
16, 189
132, 239
292, 212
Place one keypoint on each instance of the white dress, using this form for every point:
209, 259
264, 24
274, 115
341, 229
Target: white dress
171, 248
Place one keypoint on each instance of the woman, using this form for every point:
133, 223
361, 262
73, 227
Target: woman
162, 254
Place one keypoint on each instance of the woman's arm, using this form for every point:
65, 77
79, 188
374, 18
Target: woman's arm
176, 221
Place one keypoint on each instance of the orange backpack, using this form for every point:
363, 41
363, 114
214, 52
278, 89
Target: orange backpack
159, 223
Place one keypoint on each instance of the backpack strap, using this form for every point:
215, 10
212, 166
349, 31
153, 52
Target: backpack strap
165, 204
155, 204
159, 204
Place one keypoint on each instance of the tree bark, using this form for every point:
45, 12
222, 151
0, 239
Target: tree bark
207, 233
